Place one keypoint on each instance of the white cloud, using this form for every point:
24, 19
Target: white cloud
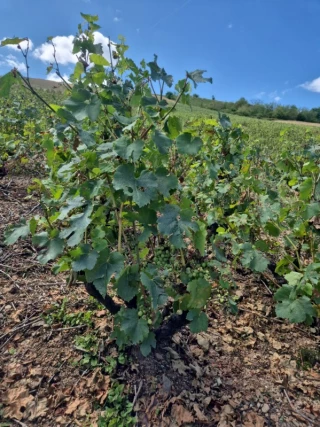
64, 53
230, 25
260, 95
64, 46
12, 62
274, 96
23, 45
286, 91
116, 19
55, 78
313, 86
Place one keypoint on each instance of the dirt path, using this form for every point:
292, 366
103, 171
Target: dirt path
244, 371
295, 122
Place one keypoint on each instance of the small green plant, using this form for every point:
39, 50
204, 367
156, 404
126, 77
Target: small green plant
308, 358
58, 314
89, 345
118, 410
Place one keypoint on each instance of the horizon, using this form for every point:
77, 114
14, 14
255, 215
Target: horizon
254, 50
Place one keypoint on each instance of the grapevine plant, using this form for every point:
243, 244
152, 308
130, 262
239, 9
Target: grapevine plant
147, 212
113, 207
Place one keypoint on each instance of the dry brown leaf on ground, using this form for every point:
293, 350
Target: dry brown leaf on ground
17, 400
181, 415
200, 415
253, 420
37, 409
226, 415
99, 384
72, 406
179, 366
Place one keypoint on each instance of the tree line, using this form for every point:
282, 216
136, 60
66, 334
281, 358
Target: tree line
256, 109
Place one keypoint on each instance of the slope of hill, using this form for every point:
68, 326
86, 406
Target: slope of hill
8, 80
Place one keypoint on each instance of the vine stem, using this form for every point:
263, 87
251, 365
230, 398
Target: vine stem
31, 89
120, 228
154, 92
135, 242
183, 261
145, 132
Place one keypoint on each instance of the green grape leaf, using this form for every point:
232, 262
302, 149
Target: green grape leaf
306, 189
40, 239
163, 143
317, 192
313, 209
65, 115
134, 150
253, 259
86, 260
107, 265
126, 121
134, 327
198, 321
78, 70
54, 248
272, 229
284, 293
155, 288
293, 278
147, 344
87, 138
99, 60
148, 100
78, 225
200, 237
14, 41
197, 77
258, 262
188, 145
224, 121
83, 104
70, 204
166, 181
142, 189
89, 18
158, 73
174, 126
200, 291
128, 283
127, 150
15, 232
296, 311
176, 223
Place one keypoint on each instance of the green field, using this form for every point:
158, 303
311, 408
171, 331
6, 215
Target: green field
266, 134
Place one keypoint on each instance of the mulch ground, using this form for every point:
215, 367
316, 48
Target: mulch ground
246, 370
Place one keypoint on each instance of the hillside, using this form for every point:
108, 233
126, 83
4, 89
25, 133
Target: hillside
8, 80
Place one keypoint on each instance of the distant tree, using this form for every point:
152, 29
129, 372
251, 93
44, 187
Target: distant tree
213, 98
195, 95
316, 112
170, 95
242, 102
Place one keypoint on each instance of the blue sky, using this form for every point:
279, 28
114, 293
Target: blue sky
259, 49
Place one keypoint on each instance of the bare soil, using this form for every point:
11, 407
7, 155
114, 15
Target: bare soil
295, 122
246, 370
